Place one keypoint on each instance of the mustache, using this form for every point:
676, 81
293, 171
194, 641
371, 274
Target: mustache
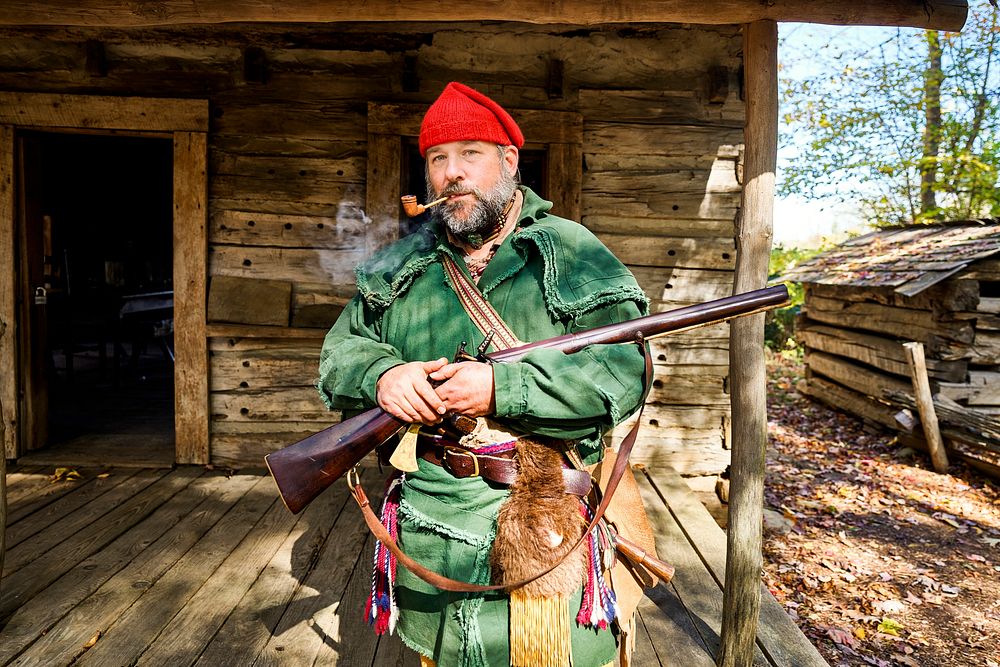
458, 189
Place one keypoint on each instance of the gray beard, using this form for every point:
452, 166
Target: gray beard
486, 210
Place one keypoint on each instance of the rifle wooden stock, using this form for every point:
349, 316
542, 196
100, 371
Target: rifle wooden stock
303, 470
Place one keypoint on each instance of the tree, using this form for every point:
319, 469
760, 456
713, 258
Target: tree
907, 126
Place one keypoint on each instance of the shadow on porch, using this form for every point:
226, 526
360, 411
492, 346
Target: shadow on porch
189, 566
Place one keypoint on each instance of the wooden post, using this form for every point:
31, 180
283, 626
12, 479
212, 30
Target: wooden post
8, 298
925, 404
190, 290
741, 597
8, 352
3, 480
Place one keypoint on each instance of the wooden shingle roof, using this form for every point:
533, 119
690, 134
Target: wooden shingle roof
909, 259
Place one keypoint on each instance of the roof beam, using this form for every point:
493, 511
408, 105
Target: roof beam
934, 14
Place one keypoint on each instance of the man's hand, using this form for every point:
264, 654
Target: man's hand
404, 392
467, 388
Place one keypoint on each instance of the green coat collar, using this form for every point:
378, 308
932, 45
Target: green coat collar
580, 274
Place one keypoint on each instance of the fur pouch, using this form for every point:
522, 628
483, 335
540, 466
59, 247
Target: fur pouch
538, 525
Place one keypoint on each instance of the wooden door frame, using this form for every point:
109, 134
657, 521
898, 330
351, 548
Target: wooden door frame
186, 122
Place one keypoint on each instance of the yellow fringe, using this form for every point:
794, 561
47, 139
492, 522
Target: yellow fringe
427, 662
539, 631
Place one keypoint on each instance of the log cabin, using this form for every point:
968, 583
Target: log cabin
208, 172
310, 140
936, 285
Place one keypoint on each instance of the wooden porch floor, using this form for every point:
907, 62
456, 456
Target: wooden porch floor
188, 566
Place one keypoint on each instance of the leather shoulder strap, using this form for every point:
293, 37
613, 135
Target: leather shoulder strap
481, 312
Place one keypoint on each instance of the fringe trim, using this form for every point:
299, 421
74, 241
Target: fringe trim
421, 521
561, 308
323, 394
472, 653
539, 631
381, 299
422, 651
626, 641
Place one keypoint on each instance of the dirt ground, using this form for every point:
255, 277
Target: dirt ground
880, 560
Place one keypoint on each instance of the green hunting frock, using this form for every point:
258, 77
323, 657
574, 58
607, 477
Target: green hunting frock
550, 277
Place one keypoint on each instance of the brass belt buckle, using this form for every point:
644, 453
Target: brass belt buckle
462, 452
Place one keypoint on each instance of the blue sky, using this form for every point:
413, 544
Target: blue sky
797, 221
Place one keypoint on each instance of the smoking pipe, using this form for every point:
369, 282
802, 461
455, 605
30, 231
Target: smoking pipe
413, 209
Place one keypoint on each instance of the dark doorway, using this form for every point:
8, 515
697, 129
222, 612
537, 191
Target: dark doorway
96, 258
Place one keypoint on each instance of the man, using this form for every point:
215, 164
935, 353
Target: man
544, 276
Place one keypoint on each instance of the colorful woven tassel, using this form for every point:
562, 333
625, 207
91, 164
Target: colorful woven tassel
381, 610
598, 608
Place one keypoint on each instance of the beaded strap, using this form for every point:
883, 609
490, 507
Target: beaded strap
480, 311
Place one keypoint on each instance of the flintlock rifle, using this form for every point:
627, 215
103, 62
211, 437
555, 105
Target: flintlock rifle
304, 469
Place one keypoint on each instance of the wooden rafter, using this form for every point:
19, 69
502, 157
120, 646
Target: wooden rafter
935, 14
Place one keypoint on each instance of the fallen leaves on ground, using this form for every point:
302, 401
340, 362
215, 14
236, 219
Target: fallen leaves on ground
884, 562
65, 474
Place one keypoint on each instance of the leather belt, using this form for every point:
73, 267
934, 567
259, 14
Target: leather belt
500, 467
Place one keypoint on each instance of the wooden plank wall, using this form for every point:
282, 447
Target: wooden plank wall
287, 162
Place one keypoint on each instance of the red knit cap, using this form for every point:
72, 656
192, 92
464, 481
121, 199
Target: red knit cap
464, 114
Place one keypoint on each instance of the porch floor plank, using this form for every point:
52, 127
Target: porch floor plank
89, 504
38, 491
45, 609
151, 613
22, 479
675, 639
312, 618
777, 635
254, 618
193, 626
644, 652
63, 506
199, 568
392, 653
96, 450
39, 561
61, 644
361, 648
692, 584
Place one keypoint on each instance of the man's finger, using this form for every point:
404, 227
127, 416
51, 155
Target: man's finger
434, 365
430, 397
446, 372
426, 413
397, 411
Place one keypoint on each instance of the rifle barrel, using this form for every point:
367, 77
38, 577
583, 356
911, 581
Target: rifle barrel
658, 324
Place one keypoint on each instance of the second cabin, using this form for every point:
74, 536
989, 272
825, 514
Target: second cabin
937, 285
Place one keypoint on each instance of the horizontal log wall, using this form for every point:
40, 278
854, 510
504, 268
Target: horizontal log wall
288, 167
853, 340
